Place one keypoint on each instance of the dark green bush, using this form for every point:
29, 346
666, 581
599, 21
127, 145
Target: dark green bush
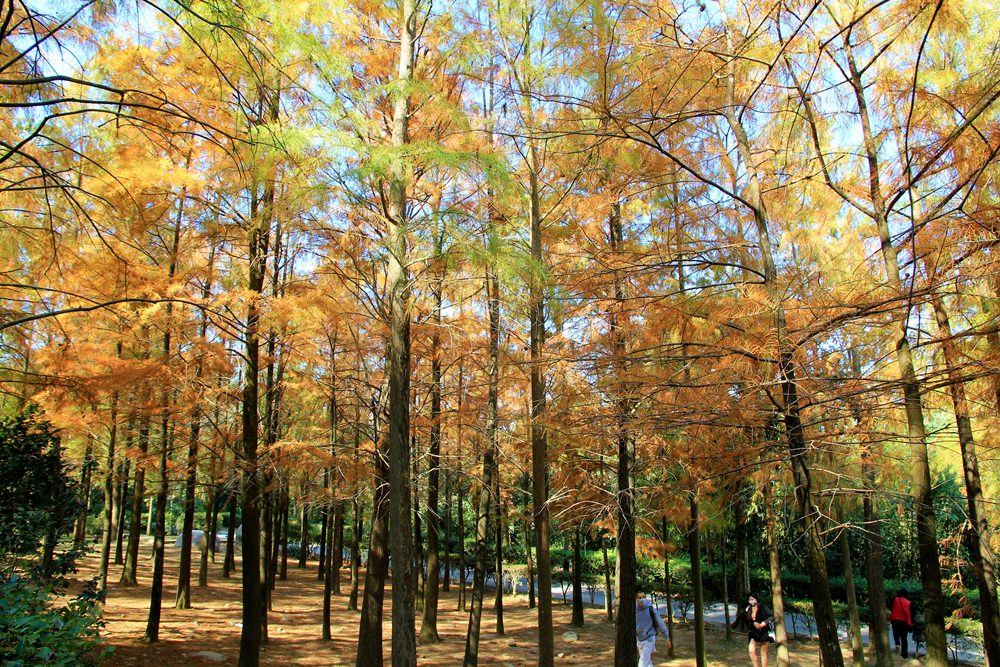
36, 630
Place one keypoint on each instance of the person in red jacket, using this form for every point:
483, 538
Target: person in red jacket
899, 618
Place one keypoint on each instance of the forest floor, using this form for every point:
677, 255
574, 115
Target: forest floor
212, 625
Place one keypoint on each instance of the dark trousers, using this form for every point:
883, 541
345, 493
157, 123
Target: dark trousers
899, 632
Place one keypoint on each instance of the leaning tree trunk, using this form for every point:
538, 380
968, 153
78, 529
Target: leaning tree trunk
980, 552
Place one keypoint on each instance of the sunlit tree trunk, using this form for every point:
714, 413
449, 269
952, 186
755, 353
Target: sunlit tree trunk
484, 510
370, 630
774, 568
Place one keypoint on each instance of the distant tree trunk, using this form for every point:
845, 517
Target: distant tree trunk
183, 599
725, 587
609, 602
980, 552
324, 521
138, 491
328, 586
777, 596
352, 600
694, 547
577, 620
109, 527
86, 477
121, 495
667, 587
303, 535
531, 564
211, 514
229, 561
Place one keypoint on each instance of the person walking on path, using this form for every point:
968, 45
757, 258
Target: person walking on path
647, 624
901, 621
756, 619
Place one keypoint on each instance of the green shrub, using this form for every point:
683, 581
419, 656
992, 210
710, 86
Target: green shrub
36, 630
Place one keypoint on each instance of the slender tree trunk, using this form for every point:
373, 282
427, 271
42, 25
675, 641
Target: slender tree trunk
121, 495
428, 626
229, 560
86, 477
777, 595
484, 513
138, 491
211, 512
352, 600
920, 479
303, 535
577, 620
461, 494
667, 588
498, 526
531, 564
980, 552
857, 647
609, 592
446, 578
328, 586
694, 547
109, 527
483, 517
324, 522
159, 523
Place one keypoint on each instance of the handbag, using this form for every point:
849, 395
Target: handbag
770, 632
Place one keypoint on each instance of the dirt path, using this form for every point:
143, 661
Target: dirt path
295, 624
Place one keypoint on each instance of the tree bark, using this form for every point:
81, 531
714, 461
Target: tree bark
370, 631
694, 548
577, 620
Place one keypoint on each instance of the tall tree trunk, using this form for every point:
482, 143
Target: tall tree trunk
857, 647
428, 625
121, 495
484, 510
254, 594
694, 548
774, 568
109, 527
667, 588
324, 523
531, 564
980, 552
404, 639
328, 586
86, 477
809, 514
920, 479
352, 600
577, 619
461, 493
483, 517
211, 514
498, 526
128, 577
229, 560
609, 592
370, 631
446, 578
303, 535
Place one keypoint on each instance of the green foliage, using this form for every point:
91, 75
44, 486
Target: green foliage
36, 494
36, 630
